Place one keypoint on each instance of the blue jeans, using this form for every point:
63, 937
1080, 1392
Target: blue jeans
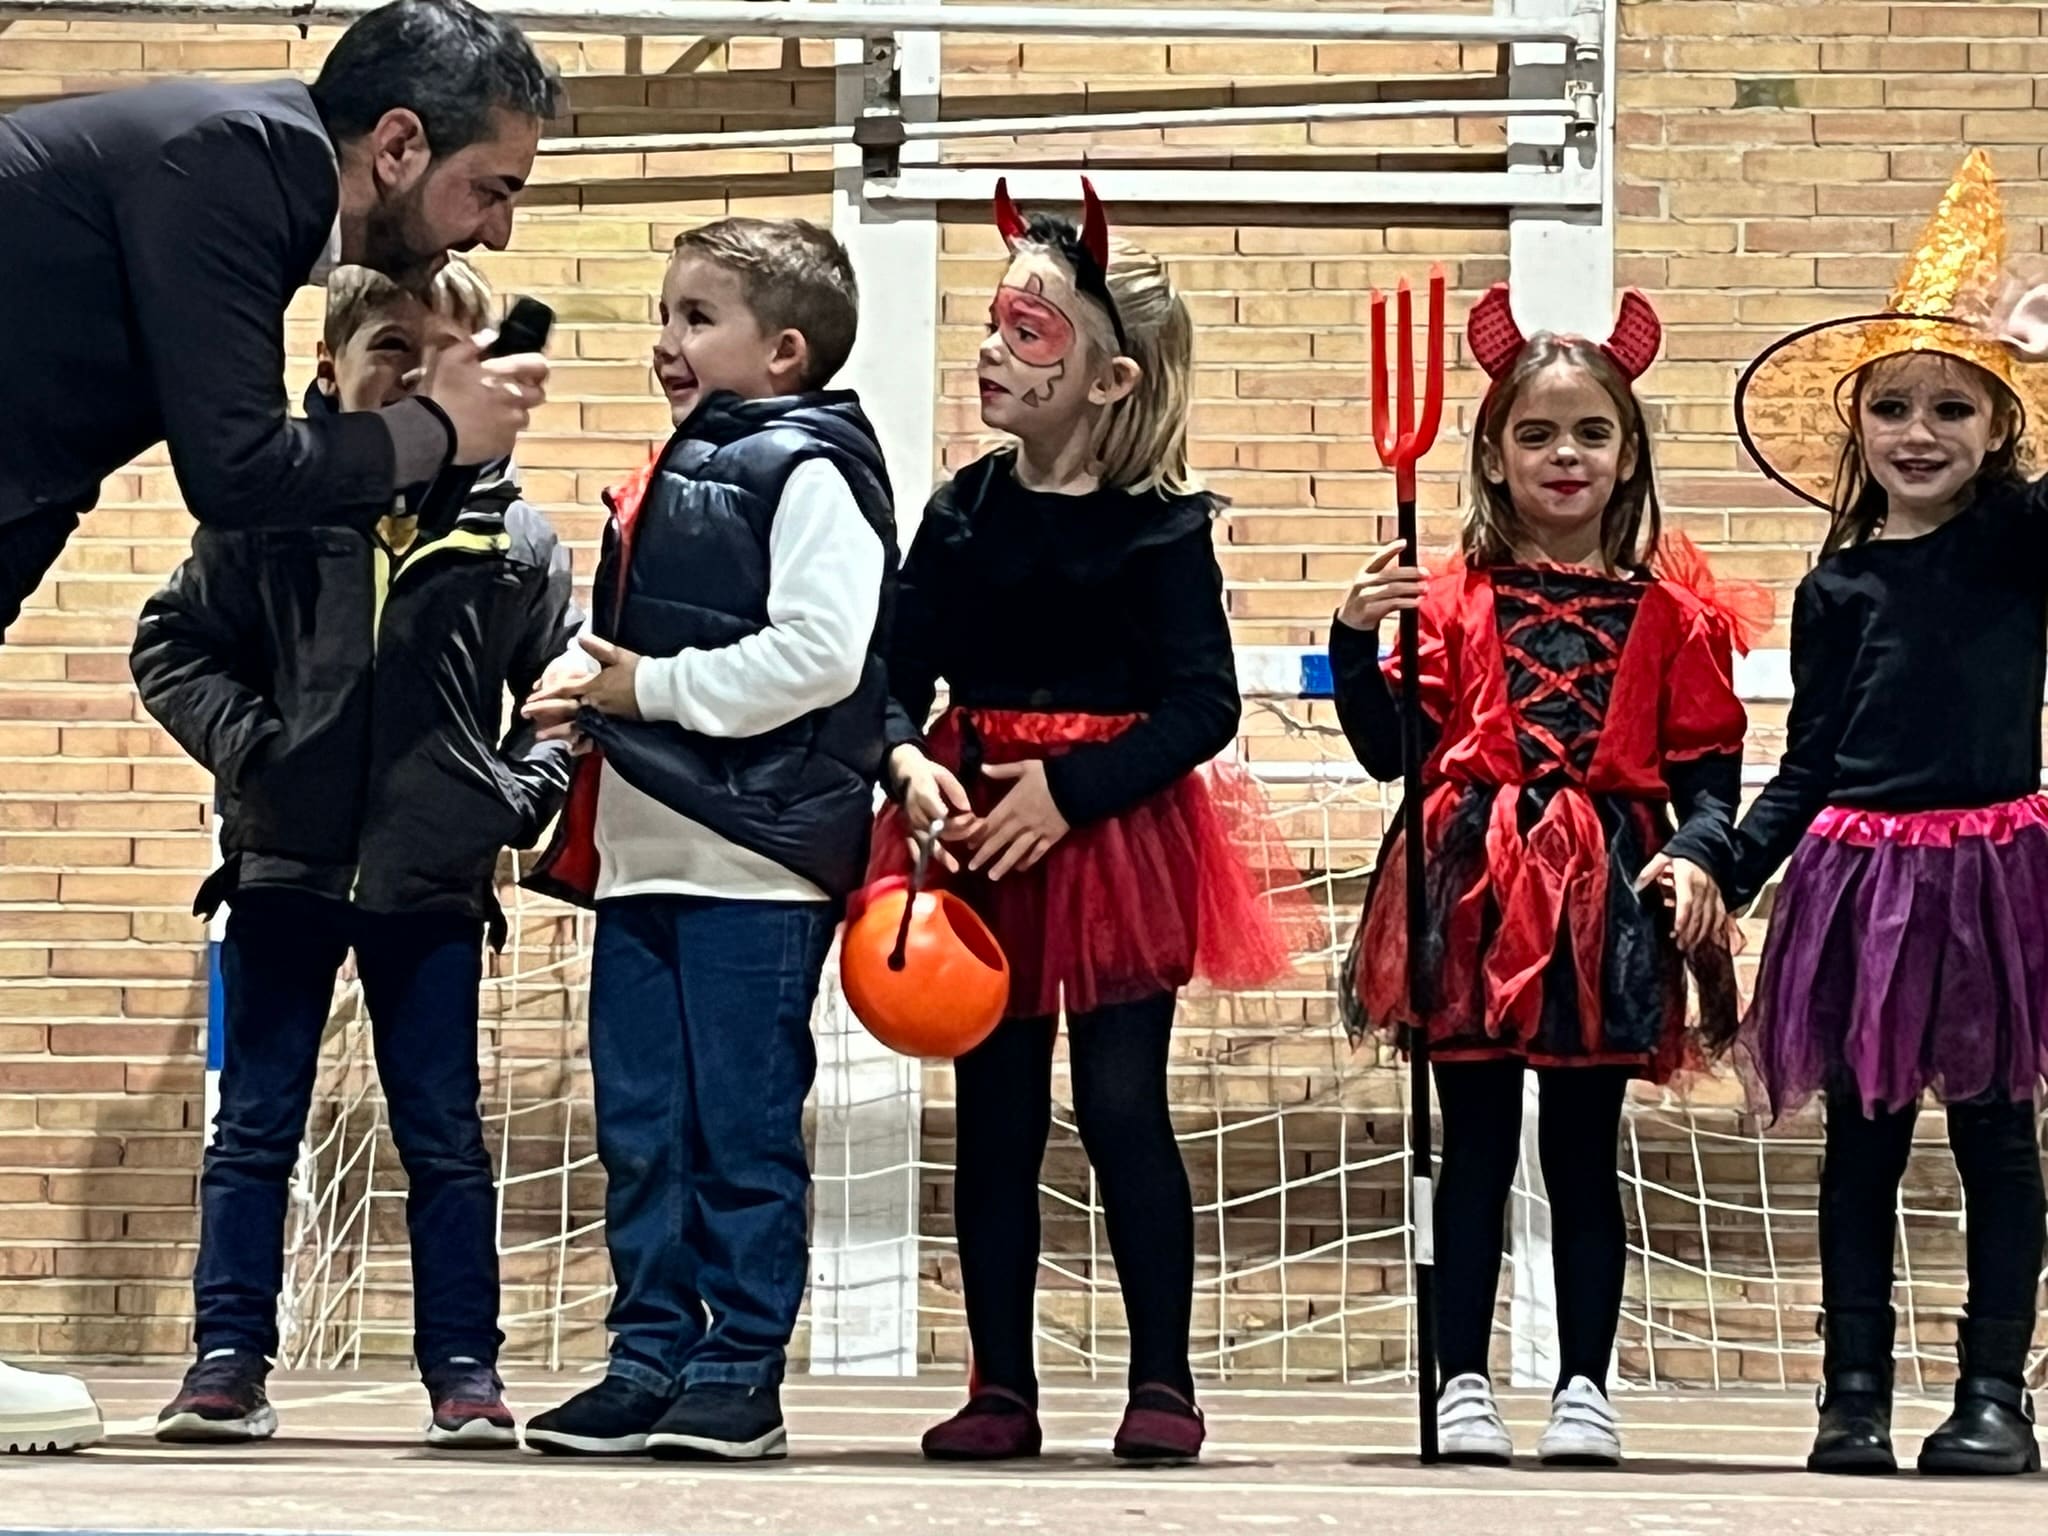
701, 1057
420, 975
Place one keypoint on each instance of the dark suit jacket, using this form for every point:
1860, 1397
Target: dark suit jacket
150, 240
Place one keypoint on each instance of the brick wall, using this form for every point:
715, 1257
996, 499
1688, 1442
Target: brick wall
1774, 160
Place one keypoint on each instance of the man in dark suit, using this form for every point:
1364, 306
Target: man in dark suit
150, 240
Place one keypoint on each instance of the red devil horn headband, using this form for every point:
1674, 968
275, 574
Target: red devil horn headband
1094, 225
1009, 222
1496, 341
1094, 222
1086, 249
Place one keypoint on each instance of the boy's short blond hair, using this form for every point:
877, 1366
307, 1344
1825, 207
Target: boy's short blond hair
795, 276
354, 294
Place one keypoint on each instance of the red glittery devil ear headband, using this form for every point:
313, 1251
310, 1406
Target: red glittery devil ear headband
1086, 249
1496, 341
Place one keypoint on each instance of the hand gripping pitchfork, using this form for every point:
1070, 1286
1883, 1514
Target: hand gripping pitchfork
1401, 442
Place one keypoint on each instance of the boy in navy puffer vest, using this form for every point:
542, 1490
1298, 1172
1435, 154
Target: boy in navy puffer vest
729, 695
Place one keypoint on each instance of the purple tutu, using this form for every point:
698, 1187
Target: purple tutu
1906, 952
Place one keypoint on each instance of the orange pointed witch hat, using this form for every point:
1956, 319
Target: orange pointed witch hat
1792, 404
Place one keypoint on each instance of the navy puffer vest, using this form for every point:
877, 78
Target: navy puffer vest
690, 570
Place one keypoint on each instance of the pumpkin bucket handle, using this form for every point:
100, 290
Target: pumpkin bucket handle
927, 842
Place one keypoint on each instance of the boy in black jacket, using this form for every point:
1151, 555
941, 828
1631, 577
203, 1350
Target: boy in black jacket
347, 690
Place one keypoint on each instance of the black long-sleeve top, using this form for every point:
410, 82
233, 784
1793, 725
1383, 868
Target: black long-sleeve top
1108, 603
1917, 670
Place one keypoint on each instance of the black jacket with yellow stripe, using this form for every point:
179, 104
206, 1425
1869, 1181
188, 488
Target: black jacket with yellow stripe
349, 692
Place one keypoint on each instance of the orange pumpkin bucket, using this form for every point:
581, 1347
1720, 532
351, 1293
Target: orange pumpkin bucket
920, 970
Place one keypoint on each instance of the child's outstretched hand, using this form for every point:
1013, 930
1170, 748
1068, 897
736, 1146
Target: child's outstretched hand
608, 690
1024, 825
1696, 910
1382, 588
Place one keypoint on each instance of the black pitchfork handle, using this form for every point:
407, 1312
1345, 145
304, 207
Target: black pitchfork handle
1420, 1141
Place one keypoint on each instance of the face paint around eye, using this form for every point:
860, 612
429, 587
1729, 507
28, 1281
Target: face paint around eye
1037, 333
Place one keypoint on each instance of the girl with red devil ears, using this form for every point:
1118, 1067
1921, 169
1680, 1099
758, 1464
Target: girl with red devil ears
1576, 677
1066, 589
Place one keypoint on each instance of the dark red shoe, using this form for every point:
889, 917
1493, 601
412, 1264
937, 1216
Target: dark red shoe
1160, 1428
469, 1407
996, 1425
222, 1401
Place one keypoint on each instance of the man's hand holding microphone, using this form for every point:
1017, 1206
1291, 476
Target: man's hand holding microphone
488, 386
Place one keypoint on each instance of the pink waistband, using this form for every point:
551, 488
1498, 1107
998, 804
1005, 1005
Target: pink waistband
1931, 829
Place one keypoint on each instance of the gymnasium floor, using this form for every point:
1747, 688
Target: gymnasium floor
348, 1460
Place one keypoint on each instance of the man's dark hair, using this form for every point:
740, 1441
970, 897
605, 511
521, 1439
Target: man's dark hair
445, 60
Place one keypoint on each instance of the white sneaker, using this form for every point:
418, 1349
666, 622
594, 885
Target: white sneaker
1469, 1427
44, 1412
1583, 1430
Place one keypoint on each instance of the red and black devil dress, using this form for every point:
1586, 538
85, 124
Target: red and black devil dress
1567, 714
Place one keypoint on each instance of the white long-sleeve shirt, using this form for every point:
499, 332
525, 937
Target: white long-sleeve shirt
824, 593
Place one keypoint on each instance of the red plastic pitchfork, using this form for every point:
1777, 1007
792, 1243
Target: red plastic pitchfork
1401, 441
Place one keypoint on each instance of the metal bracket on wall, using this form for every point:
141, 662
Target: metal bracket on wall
1582, 85
878, 131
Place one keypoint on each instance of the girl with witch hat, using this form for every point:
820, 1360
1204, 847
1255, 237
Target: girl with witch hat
1908, 947
1066, 589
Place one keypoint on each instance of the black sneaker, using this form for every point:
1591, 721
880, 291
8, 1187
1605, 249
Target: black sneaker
722, 1421
469, 1407
609, 1419
222, 1400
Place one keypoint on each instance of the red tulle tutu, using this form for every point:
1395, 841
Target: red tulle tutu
1194, 882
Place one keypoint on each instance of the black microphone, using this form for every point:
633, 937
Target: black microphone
524, 329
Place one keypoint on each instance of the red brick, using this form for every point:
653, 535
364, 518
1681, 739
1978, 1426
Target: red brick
47, 1076
1916, 57
1895, 125
1815, 236
120, 1190
126, 1041
1953, 20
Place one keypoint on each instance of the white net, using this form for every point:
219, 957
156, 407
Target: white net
1295, 1145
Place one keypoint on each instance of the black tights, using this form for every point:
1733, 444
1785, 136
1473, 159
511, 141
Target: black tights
1576, 1134
1118, 1061
2000, 1162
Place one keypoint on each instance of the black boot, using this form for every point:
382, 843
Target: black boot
1855, 1436
1991, 1432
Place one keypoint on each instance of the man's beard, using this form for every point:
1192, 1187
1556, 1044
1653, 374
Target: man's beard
395, 242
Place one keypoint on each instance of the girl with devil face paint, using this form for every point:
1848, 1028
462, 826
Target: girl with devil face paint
1066, 589
1576, 691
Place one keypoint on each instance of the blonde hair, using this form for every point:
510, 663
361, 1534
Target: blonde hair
1142, 440
354, 294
